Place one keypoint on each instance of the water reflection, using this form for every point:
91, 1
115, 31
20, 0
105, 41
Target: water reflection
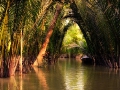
73, 75
66, 74
103, 79
8, 84
41, 77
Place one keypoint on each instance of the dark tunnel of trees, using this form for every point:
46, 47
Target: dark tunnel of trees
31, 30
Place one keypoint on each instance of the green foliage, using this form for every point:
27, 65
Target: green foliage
101, 29
74, 40
98, 21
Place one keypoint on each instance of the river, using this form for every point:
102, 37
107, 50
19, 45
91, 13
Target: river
66, 74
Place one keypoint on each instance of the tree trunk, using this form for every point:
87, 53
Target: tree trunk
21, 49
13, 65
38, 61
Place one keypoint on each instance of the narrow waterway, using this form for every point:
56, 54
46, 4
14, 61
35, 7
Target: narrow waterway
66, 74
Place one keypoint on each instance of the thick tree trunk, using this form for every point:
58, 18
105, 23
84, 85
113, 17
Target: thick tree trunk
38, 61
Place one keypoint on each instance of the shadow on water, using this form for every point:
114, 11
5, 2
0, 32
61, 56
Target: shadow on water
66, 74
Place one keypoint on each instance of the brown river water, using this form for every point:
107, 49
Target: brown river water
66, 74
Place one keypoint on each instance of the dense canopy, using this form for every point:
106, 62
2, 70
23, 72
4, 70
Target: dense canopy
33, 29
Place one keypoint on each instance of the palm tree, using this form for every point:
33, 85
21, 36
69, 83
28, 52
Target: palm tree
12, 24
38, 61
101, 17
